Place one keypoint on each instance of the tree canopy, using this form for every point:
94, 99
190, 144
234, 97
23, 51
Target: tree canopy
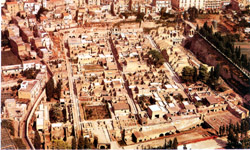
9, 125
156, 58
56, 114
74, 143
140, 17
50, 89
187, 74
203, 73
226, 45
83, 143
30, 73
37, 140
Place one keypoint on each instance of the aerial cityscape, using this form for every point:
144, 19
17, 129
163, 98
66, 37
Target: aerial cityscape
125, 74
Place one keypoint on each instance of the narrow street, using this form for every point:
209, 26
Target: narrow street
75, 108
131, 101
174, 76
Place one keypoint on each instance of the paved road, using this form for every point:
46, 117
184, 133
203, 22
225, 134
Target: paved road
75, 108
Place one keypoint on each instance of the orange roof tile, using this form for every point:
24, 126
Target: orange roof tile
65, 14
43, 18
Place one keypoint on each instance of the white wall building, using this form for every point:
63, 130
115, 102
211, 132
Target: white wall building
185, 4
159, 4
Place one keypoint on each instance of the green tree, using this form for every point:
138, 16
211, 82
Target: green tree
203, 74
9, 125
162, 12
95, 141
30, 73
42, 10
238, 127
56, 114
175, 143
187, 74
238, 52
19, 81
220, 131
211, 76
152, 100
140, 17
170, 144
233, 140
195, 77
58, 89
223, 130
244, 60
74, 143
37, 140
217, 71
4, 42
193, 13
157, 58
50, 89
60, 144
197, 28
81, 142
185, 16
86, 143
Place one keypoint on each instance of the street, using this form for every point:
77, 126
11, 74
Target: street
174, 76
75, 108
130, 98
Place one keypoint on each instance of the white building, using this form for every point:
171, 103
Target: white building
247, 30
30, 64
159, 4
185, 4
212, 4
42, 118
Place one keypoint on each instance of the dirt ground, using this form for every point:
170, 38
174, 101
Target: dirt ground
96, 112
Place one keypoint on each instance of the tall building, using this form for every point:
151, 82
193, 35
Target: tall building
185, 4
159, 4
212, 4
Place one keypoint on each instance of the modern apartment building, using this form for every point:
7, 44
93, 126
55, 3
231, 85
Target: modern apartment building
199, 4
159, 4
